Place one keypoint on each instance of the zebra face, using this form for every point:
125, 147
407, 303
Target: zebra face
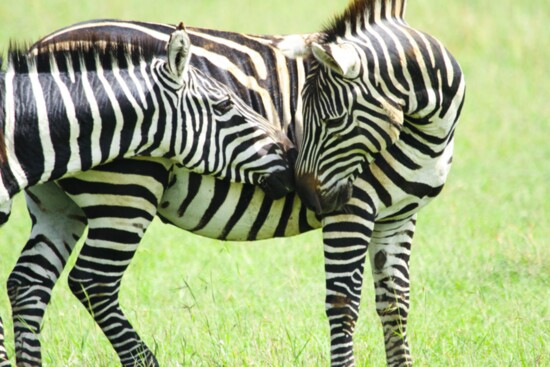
232, 141
346, 122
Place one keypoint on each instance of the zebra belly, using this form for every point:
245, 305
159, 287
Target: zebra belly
228, 211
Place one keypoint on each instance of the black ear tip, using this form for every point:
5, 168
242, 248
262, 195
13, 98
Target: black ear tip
180, 27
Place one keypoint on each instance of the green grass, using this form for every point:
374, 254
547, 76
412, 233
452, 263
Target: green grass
480, 266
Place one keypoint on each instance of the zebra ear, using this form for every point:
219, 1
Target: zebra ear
178, 51
294, 46
343, 58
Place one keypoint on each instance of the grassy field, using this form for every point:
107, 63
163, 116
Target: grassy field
481, 259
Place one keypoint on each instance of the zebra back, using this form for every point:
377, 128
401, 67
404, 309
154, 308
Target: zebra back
252, 66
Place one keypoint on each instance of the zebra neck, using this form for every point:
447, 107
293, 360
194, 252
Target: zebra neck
256, 71
57, 125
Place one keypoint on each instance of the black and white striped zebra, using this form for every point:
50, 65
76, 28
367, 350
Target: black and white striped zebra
377, 216
372, 66
78, 105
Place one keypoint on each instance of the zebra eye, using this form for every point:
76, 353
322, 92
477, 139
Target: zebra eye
223, 107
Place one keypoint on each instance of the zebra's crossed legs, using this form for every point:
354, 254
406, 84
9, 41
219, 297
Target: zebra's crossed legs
113, 237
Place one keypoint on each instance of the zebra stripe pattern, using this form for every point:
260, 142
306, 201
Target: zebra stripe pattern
74, 108
380, 213
372, 67
115, 100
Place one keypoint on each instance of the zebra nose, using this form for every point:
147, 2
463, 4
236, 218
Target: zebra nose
278, 184
306, 187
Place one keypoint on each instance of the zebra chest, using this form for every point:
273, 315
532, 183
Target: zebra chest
223, 210
403, 179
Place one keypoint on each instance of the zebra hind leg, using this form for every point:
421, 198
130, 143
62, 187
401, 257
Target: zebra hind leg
57, 225
389, 255
118, 216
5, 211
4, 360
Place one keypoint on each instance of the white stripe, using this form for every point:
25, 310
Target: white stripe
154, 119
198, 132
119, 118
75, 163
97, 123
137, 108
284, 89
43, 124
9, 133
298, 115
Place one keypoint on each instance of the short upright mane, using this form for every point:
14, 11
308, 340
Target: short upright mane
110, 52
361, 13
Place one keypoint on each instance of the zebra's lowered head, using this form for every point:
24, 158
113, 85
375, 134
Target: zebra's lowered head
347, 117
372, 76
240, 144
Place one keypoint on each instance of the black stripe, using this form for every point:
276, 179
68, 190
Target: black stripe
261, 218
75, 186
247, 192
285, 216
193, 186
221, 190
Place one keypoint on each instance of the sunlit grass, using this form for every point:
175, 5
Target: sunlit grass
480, 270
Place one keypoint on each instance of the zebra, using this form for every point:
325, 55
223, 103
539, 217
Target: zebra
78, 106
372, 66
387, 224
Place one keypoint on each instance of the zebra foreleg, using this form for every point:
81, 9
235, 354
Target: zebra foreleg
389, 255
57, 225
346, 238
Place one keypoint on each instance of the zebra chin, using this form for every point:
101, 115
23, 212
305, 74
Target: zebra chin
307, 187
336, 199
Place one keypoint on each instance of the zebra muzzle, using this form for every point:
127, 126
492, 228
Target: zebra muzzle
306, 187
278, 184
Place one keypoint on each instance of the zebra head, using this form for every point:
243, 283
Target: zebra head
348, 114
225, 137
346, 122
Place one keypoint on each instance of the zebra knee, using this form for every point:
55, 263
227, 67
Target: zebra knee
81, 284
91, 288
28, 293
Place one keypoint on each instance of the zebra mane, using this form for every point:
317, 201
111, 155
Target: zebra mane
360, 13
110, 52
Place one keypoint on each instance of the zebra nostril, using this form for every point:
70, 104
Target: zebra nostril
306, 187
